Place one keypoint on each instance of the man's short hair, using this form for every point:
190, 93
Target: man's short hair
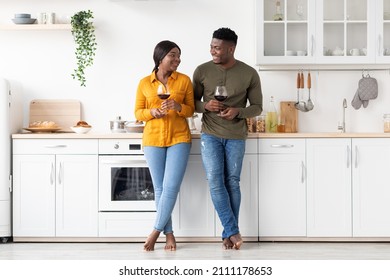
225, 34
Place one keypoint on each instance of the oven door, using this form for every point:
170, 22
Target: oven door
125, 184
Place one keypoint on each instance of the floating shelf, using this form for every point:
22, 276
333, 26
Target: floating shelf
35, 27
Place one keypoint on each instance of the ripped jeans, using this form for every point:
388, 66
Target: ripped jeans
222, 161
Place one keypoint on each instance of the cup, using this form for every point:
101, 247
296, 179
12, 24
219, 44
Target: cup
354, 52
42, 18
363, 51
301, 53
51, 18
386, 52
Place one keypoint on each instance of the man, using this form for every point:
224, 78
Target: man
224, 128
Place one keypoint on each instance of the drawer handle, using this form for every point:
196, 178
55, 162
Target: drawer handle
282, 146
56, 146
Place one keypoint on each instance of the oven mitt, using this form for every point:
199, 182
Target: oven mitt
367, 90
356, 102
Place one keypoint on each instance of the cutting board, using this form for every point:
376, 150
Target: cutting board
290, 116
64, 112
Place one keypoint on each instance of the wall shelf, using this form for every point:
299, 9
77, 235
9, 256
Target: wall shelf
35, 27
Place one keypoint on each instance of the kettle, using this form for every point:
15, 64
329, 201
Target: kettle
191, 122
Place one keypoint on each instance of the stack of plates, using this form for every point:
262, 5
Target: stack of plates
23, 19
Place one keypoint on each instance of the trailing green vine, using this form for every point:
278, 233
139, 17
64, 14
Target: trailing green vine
83, 32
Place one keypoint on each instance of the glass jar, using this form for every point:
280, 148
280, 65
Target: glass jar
386, 122
260, 123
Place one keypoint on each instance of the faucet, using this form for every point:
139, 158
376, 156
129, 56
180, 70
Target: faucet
342, 126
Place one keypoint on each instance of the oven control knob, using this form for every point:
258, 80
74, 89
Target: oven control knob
116, 146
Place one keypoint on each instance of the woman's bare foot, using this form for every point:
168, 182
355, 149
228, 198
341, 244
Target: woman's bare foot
236, 240
227, 244
170, 242
151, 240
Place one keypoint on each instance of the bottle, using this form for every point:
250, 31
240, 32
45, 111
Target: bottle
386, 123
278, 15
271, 119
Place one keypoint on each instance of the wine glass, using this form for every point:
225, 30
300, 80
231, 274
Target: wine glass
220, 94
162, 93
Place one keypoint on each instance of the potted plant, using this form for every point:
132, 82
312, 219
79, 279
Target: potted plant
83, 32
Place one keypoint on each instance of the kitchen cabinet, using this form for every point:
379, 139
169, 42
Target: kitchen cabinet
194, 214
279, 40
371, 190
382, 49
282, 188
347, 189
327, 31
329, 187
55, 188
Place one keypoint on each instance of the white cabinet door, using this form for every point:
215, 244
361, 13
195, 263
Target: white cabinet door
290, 40
382, 49
344, 25
77, 195
371, 188
34, 195
282, 188
329, 188
193, 214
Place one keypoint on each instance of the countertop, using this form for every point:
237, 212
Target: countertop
108, 135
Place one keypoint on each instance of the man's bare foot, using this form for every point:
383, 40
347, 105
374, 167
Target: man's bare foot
151, 240
170, 242
236, 240
227, 244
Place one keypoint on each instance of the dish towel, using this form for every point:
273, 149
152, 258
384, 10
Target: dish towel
367, 89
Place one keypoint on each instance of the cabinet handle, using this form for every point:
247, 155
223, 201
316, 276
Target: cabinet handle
348, 156
282, 146
55, 146
356, 156
52, 174
302, 172
60, 174
379, 45
312, 45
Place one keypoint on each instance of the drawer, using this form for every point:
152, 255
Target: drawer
54, 146
282, 146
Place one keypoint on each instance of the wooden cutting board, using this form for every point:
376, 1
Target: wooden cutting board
64, 112
290, 116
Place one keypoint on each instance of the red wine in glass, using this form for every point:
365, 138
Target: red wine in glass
220, 97
220, 94
162, 93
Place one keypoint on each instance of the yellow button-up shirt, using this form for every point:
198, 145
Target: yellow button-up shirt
172, 128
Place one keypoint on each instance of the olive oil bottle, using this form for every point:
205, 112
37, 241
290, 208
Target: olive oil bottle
271, 119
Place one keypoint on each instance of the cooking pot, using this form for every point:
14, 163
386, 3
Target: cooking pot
118, 126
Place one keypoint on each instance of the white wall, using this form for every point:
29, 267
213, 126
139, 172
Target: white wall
41, 62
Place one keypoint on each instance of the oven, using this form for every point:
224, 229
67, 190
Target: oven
125, 183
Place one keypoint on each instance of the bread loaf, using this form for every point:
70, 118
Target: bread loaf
43, 124
83, 124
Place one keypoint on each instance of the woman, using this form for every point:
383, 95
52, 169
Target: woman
166, 138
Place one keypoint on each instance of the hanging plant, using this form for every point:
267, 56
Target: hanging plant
83, 32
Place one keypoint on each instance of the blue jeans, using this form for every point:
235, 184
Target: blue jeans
222, 161
167, 166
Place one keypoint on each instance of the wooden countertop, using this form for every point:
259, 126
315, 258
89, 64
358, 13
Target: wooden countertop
197, 135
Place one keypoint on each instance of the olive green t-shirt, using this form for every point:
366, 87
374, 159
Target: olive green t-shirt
243, 85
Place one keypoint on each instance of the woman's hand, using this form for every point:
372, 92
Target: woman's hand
158, 113
170, 104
